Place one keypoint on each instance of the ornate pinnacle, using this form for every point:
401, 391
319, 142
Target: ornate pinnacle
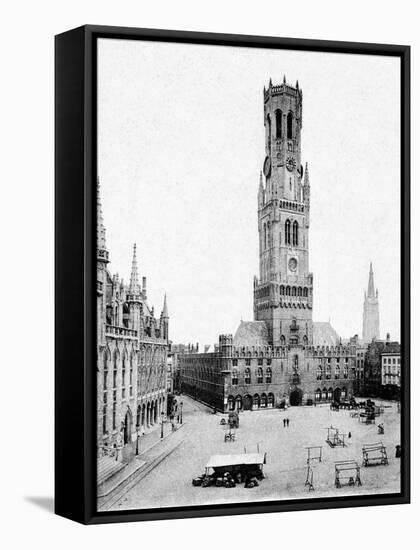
134, 279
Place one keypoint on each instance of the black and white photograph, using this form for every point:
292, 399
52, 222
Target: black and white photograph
248, 270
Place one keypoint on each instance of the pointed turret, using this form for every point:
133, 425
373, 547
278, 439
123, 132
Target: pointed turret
101, 251
165, 308
134, 287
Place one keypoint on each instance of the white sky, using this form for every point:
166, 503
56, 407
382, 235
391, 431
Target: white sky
181, 145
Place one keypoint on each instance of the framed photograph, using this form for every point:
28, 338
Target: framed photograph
232, 274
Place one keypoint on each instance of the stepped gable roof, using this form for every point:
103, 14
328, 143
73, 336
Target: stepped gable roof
325, 335
251, 333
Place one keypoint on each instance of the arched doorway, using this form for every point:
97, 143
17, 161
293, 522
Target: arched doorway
337, 394
247, 403
127, 427
295, 397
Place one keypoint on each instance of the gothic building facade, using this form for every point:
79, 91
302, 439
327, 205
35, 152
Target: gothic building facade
282, 356
371, 311
132, 346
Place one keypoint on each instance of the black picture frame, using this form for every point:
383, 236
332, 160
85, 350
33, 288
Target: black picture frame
75, 244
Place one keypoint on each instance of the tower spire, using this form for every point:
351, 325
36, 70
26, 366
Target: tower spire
134, 278
371, 285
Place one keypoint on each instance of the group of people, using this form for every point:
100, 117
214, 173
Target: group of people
286, 422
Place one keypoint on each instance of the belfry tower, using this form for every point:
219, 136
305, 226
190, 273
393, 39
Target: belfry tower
371, 311
283, 291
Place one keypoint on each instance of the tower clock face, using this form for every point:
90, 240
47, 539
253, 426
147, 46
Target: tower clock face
290, 163
267, 167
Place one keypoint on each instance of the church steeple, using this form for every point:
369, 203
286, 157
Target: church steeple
371, 311
164, 320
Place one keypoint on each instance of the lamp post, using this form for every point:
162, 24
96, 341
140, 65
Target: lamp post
161, 425
180, 405
137, 439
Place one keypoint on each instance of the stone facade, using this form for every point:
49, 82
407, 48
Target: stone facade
282, 356
132, 347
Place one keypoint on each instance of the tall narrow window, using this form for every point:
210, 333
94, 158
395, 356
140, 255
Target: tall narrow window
278, 123
290, 126
287, 231
269, 132
295, 233
260, 376
247, 376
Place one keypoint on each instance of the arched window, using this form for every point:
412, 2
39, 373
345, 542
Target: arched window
337, 371
260, 376
279, 116
290, 126
324, 394
318, 395
270, 401
269, 132
231, 403
234, 377
346, 370
293, 291
305, 340
268, 375
343, 393
288, 291
299, 291
328, 372
330, 393
319, 372
247, 376
295, 233
256, 401
115, 371
238, 403
287, 231
281, 289
305, 292
283, 339
263, 402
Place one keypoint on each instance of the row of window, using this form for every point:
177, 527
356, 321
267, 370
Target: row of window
247, 376
391, 360
258, 401
326, 373
327, 395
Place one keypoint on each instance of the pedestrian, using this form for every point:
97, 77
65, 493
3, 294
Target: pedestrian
284, 422
349, 435
287, 422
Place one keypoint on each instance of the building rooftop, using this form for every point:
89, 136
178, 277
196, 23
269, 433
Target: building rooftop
251, 333
325, 335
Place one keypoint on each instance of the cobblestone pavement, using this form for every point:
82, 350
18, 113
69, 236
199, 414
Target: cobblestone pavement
169, 484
